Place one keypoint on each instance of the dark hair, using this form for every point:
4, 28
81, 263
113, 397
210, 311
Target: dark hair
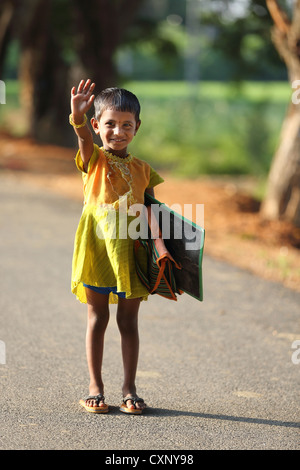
118, 99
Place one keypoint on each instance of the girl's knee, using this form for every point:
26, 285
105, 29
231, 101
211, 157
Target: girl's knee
97, 321
127, 316
96, 313
98, 309
127, 323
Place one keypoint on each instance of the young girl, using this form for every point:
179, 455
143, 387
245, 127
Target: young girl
103, 268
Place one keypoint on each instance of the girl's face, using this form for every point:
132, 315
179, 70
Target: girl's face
116, 130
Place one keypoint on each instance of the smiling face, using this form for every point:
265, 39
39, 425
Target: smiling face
116, 130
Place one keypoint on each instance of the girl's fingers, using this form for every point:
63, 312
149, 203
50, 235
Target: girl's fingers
91, 100
91, 89
88, 87
83, 87
80, 86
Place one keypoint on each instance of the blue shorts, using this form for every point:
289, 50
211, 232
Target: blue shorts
106, 290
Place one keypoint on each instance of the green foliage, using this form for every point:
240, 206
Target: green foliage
154, 47
244, 41
213, 129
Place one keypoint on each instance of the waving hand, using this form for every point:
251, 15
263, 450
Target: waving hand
82, 99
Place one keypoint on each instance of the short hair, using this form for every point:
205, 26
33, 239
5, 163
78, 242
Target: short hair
118, 99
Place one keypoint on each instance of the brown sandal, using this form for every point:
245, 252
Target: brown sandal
133, 411
95, 409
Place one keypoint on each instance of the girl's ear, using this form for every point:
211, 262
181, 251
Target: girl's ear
95, 125
137, 126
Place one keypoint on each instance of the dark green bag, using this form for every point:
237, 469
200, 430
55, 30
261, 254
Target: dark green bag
185, 243
159, 278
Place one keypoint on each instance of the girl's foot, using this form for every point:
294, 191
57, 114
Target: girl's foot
95, 404
132, 405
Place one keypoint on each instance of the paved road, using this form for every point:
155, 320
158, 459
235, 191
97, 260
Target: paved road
217, 374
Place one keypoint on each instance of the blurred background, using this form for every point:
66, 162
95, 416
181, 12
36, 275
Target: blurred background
217, 82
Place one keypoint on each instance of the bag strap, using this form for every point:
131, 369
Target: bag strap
158, 241
164, 259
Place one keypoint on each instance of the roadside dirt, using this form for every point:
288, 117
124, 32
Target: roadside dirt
234, 231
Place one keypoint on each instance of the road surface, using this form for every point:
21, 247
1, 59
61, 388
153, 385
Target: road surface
218, 374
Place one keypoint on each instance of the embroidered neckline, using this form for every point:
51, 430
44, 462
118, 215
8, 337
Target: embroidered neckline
115, 158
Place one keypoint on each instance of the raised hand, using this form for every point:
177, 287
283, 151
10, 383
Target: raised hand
82, 100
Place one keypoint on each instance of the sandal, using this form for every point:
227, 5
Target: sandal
133, 411
95, 409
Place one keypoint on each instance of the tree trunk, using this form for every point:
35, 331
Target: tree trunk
46, 78
99, 31
282, 198
7, 10
45, 73
43, 78
283, 191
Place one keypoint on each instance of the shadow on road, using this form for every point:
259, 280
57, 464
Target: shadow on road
242, 419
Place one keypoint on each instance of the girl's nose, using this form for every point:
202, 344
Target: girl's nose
118, 130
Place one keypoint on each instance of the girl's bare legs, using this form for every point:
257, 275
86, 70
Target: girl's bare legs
127, 319
98, 316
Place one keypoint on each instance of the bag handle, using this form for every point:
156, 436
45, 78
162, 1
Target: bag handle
158, 240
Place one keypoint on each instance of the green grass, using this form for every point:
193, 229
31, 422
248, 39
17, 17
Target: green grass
277, 92
210, 128
12, 94
11, 118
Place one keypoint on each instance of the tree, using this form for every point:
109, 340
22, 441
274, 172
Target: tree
60, 42
282, 198
43, 73
6, 21
239, 32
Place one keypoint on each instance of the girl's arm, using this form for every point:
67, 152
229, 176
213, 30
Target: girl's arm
81, 101
154, 227
150, 191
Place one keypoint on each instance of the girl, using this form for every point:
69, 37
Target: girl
103, 268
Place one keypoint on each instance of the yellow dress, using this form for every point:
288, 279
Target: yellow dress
103, 253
